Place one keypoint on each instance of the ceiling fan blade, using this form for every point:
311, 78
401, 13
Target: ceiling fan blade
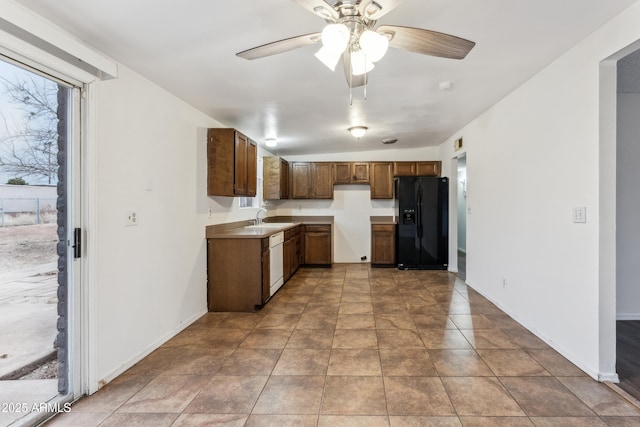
279, 46
375, 9
320, 8
427, 42
352, 81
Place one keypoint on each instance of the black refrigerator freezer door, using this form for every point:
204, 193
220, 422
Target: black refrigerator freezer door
422, 211
408, 244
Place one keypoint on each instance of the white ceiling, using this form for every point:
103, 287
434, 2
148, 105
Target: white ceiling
189, 46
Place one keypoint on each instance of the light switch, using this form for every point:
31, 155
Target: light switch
580, 214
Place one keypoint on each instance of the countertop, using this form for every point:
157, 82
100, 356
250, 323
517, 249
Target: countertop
382, 220
238, 230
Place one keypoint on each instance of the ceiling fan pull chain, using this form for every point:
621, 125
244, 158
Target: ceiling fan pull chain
350, 89
366, 82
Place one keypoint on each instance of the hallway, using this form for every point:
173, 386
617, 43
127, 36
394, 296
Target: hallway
361, 347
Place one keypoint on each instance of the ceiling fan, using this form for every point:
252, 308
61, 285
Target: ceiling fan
351, 34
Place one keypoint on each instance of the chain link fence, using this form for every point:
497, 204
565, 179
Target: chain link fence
27, 211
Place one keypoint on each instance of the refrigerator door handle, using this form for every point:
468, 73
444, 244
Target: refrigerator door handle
419, 213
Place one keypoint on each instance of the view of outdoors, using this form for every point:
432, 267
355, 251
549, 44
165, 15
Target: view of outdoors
28, 229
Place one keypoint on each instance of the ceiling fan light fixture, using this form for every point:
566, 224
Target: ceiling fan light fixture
374, 45
322, 12
370, 9
358, 131
328, 57
360, 63
335, 37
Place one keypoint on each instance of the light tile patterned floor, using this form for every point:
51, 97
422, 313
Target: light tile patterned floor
354, 346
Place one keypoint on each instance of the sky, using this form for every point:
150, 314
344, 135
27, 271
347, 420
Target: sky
12, 114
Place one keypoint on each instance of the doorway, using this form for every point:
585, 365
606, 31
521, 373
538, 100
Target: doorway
38, 130
462, 216
627, 232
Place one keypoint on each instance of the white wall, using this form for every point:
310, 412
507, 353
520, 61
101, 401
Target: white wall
351, 205
532, 157
628, 206
462, 204
151, 279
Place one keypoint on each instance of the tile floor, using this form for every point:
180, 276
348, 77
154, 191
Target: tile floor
354, 346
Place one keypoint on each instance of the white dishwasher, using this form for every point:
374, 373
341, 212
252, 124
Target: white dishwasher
276, 268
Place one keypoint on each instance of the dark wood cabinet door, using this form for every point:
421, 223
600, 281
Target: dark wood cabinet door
381, 180
220, 162
287, 249
252, 168
342, 173
404, 168
383, 244
428, 168
301, 180
241, 165
295, 254
266, 275
317, 245
360, 172
284, 179
322, 180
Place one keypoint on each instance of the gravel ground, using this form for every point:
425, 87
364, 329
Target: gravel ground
26, 245
45, 372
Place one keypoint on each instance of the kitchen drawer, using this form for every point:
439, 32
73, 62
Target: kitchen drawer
317, 229
383, 227
289, 234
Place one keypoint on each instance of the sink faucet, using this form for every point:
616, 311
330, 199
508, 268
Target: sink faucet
258, 219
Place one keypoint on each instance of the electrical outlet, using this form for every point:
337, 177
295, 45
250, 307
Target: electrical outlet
210, 212
504, 282
132, 218
579, 214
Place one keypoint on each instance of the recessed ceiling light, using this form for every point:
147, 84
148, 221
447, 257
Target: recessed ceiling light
390, 140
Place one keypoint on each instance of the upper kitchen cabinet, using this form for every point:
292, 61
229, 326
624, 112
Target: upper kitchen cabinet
351, 173
433, 168
275, 178
381, 180
427, 168
312, 180
232, 163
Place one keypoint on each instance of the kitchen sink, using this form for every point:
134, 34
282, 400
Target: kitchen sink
271, 225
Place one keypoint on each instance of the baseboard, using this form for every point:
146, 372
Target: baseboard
628, 316
611, 377
147, 351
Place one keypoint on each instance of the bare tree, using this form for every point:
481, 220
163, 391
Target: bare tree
29, 145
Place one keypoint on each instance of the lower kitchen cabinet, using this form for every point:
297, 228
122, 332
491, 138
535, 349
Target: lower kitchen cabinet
318, 245
266, 270
238, 274
383, 245
291, 252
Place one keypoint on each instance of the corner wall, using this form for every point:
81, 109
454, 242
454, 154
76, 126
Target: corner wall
151, 278
532, 158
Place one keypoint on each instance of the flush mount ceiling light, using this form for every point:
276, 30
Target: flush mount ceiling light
352, 33
358, 131
270, 142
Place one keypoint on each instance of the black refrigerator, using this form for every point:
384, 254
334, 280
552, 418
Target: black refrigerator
422, 215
